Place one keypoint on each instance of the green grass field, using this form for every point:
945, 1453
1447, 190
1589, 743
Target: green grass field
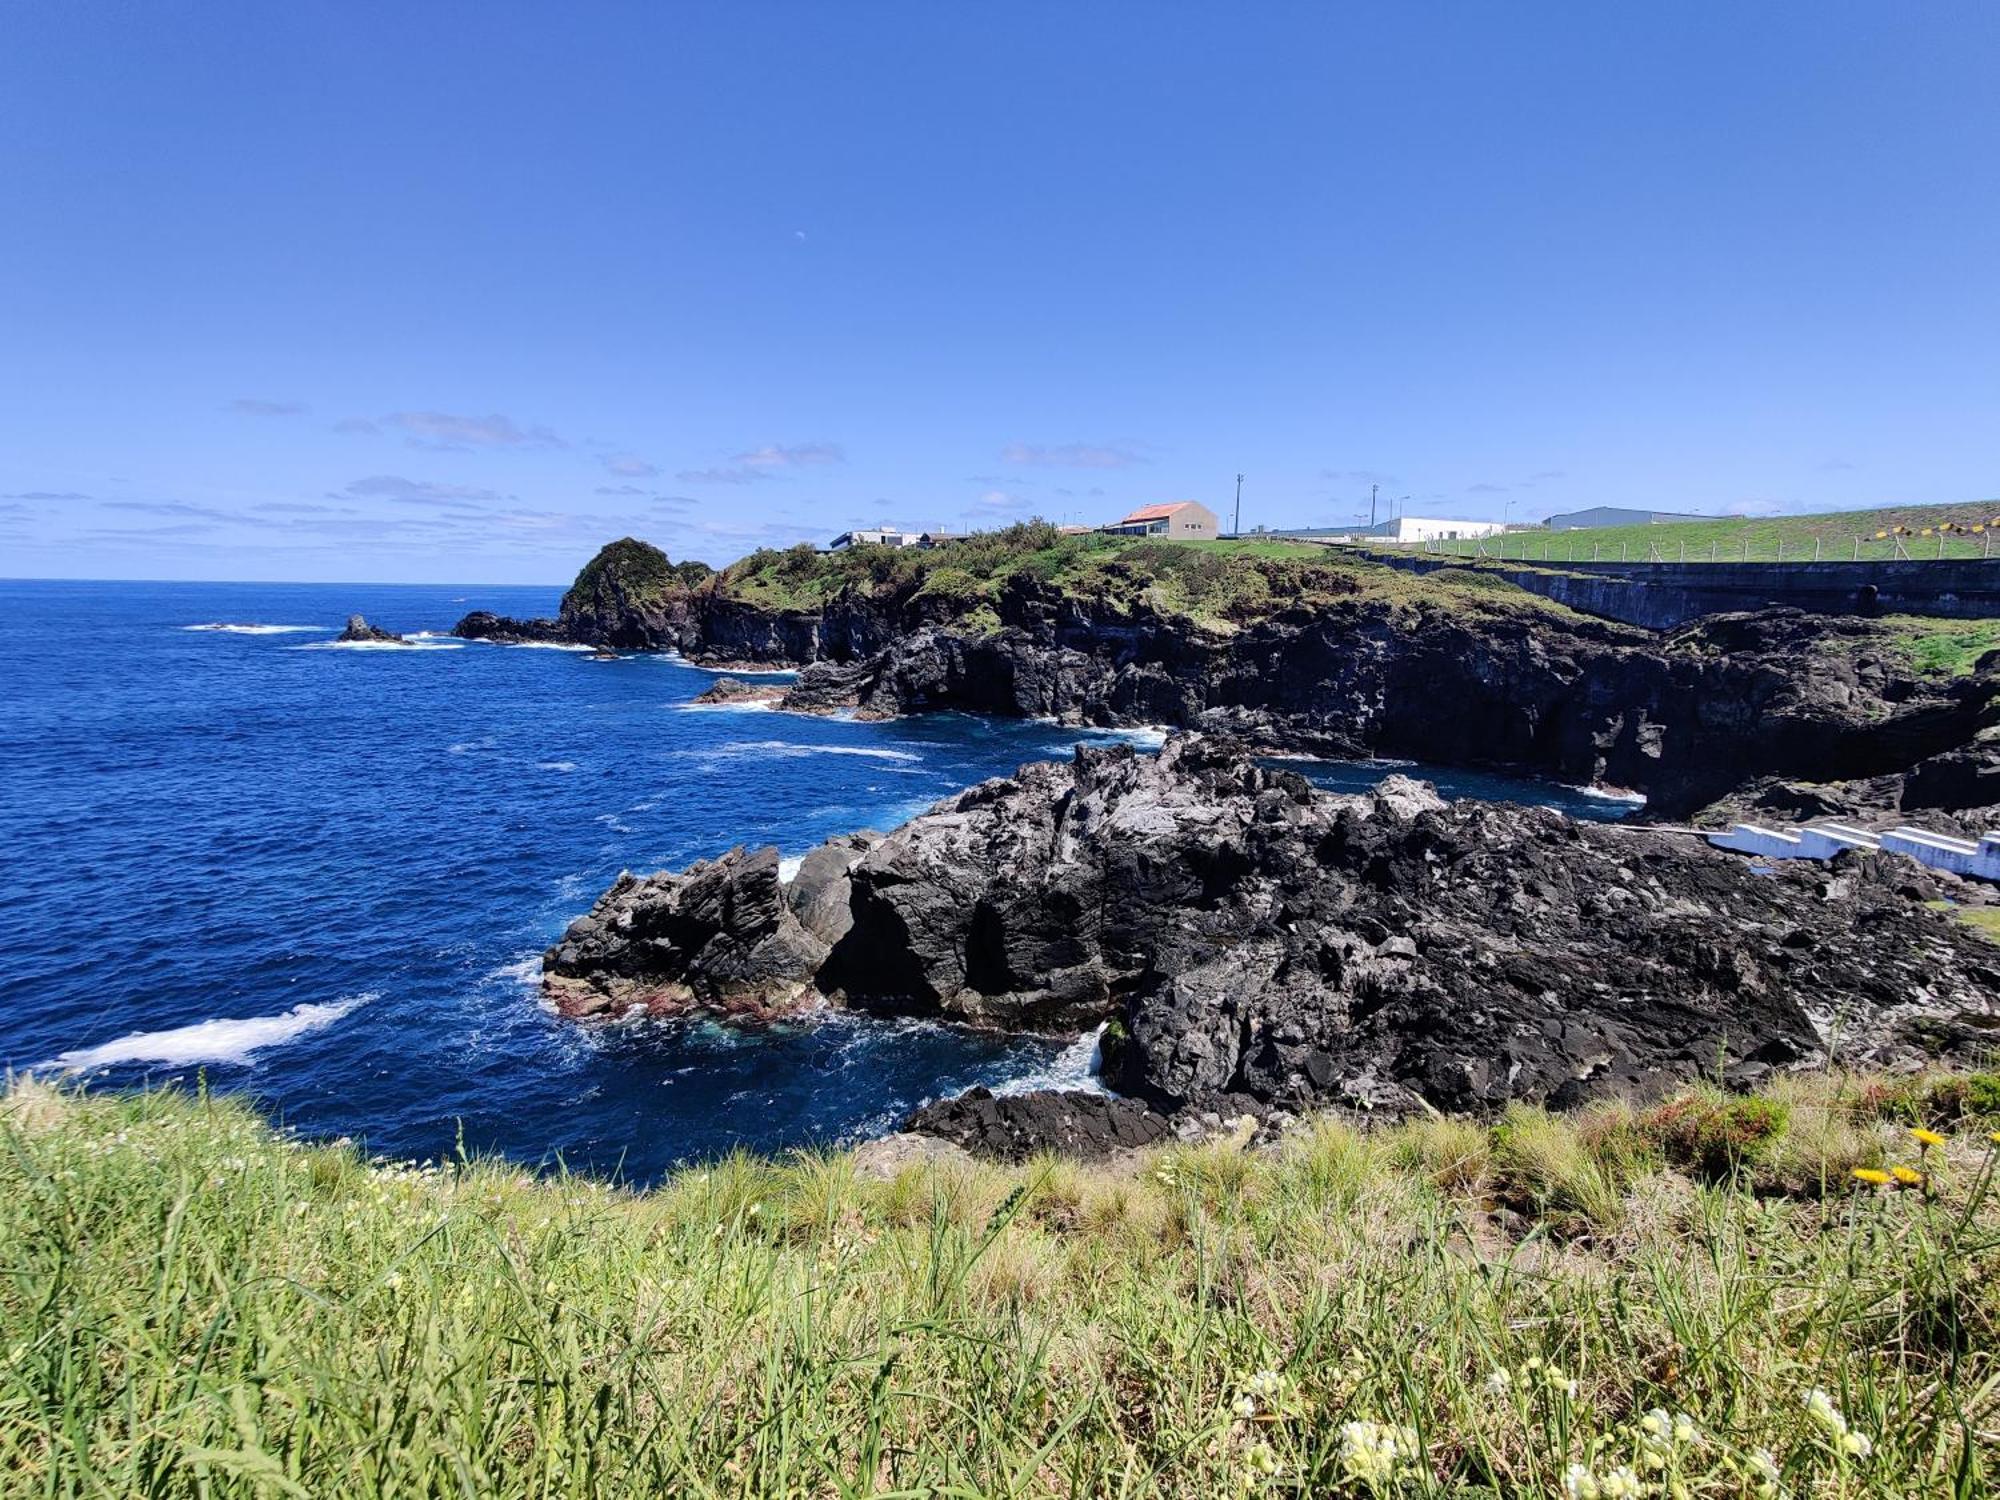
1697, 1300
1835, 536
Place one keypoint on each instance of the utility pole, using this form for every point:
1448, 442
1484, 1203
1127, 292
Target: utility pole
1237, 528
1371, 502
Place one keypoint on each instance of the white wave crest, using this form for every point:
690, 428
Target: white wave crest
231, 1041
788, 869
409, 644
1612, 794
752, 707
230, 627
791, 750
1075, 1067
555, 765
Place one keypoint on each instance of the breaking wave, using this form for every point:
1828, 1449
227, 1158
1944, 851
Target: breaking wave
225, 1041
230, 627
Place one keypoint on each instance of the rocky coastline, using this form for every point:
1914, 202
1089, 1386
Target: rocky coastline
1251, 943
1776, 712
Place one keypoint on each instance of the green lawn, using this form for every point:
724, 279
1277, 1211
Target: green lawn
1701, 1299
1835, 536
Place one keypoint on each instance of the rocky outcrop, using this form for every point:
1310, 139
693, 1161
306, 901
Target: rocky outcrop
360, 633
630, 596
725, 935
736, 690
1014, 1127
1246, 935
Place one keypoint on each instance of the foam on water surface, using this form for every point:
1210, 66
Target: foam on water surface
217, 1041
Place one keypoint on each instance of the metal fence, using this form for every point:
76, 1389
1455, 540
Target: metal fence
1954, 541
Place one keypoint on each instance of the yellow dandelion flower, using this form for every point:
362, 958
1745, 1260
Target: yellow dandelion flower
1871, 1176
1925, 1137
1908, 1176
1994, 1138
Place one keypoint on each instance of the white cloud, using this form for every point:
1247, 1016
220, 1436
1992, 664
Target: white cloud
1070, 456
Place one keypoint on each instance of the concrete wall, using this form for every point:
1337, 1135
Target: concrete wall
1660, 596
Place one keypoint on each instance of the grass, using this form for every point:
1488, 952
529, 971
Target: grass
1222, 586
1942, 648
192, 1304
1833, 536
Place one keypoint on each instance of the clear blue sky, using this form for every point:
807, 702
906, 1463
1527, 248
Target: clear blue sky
454, 292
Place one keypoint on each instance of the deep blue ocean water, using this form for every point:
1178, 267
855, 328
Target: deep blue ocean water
325, 875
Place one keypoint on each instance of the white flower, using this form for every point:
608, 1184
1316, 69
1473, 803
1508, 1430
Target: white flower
1376, 1453
1858, 1444
1265, 1384
1580, 1484
1620, 1484
1819, 1405
1246, 1407
1499, 1383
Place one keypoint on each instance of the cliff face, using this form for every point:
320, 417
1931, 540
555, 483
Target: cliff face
1444, 672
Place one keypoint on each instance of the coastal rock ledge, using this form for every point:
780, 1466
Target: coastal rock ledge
1248, 937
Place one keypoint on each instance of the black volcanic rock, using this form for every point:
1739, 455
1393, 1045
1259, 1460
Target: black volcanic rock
1014, 1127
360, 632
725, 934
1247, 935
630, 596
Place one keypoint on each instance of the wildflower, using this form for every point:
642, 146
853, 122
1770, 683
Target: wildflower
1580, 1484
1265, 1384
1871, 1176
1377, 1454
1261, 1461
1620, 1484
1764, 1466
393, 1280
754, 1210
1857, 1445
1245, 1407
1907, 1176
1499, 1382
1994, 1138
1820, 1407
1925, 1137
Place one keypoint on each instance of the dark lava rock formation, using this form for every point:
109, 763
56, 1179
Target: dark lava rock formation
1014, 1127
629, 597
1246, 935
359, 631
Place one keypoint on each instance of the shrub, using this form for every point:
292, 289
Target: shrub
1715, 1135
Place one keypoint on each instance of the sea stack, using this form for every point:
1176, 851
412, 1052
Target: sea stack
360, 632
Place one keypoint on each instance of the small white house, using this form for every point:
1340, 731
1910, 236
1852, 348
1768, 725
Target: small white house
875, 536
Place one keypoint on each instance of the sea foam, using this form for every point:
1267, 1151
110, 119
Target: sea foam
227, 627
230, 1041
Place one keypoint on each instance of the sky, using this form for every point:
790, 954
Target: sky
437, 292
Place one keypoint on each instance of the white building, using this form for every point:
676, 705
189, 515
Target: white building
1404, 529
875, 536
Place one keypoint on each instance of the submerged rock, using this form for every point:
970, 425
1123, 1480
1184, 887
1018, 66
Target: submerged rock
359, 631
1247, 935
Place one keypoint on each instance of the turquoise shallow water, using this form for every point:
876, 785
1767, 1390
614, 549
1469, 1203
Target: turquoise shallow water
323, 875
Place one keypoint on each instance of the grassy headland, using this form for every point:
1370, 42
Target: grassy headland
1696, 1300
1221, 585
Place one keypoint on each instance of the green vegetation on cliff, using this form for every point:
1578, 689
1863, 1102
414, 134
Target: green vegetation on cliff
639, 570
1222, 585
1700, 1299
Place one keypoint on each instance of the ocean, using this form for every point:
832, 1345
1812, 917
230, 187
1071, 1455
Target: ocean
241, 855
